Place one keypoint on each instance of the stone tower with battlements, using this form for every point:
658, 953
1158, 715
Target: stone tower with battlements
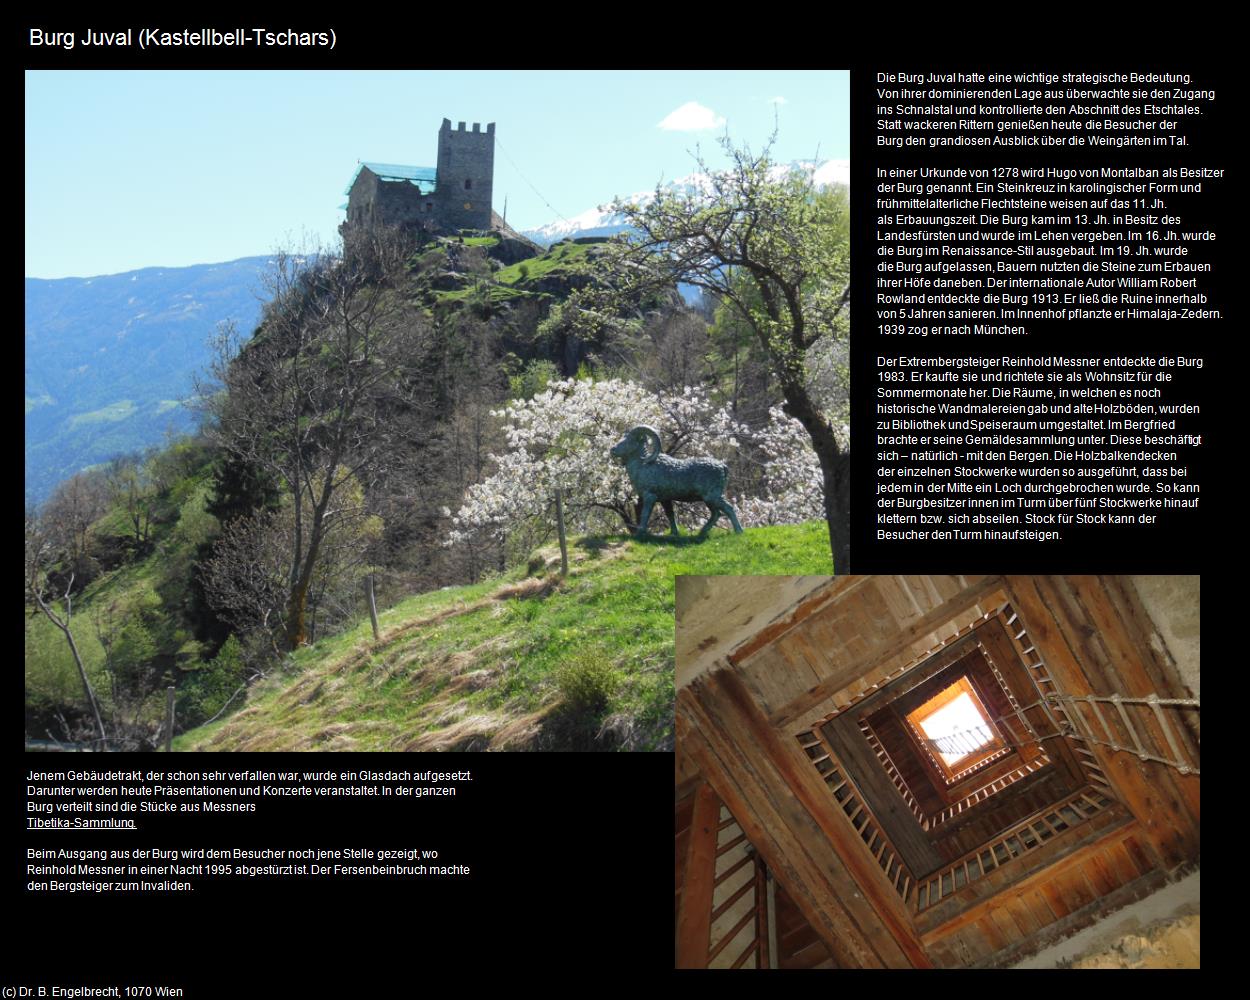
454, 194
466, 170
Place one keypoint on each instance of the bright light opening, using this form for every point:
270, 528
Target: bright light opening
959, 717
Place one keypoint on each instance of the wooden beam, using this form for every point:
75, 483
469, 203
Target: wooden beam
788, 861
694, 918
1064, 927
958, 605
1063, 852
798, 828
837, 587
856, 758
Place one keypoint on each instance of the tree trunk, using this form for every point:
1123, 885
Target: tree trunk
564, 543
835, 468
297, 610
82, 674
296, 631
169, 719
373, 608
296, 622
837, 475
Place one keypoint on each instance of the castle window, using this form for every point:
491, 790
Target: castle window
468, 184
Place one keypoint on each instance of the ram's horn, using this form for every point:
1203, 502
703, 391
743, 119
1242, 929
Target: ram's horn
651, 435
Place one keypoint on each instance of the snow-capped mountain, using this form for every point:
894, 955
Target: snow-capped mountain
602, 221
592, 222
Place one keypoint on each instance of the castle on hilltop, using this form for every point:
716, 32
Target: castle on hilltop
456, 194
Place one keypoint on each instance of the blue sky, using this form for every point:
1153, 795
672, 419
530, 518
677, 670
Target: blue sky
136, 169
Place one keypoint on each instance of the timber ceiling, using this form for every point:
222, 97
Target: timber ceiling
802, 727
862, 635
909, 791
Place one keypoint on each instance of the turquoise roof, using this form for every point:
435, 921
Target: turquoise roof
423, 177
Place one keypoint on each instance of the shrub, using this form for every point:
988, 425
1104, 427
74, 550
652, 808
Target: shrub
586, 683
210, 687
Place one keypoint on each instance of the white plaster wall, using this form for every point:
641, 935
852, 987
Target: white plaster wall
1174, 604
1160, 931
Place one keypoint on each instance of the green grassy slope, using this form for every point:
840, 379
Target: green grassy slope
536, 277
516, 663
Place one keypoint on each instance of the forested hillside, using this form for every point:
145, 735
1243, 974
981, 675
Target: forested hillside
417, 413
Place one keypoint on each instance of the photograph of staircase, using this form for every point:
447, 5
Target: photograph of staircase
928, 771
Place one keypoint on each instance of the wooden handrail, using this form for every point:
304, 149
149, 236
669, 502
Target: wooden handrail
1018, 840
892, 770
973, 797
853, 804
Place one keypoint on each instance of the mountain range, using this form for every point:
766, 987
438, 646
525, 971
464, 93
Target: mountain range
110, 359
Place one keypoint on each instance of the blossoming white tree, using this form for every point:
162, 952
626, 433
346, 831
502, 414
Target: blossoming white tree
561, 438
776, 250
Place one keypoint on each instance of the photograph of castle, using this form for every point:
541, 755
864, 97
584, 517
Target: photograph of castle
396, 435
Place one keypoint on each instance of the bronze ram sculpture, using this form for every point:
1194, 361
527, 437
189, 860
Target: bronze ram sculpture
661, 477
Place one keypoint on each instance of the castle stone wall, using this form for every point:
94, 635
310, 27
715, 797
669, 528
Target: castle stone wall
399, 203
466, 171
362, 198
389, 202
462, 199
